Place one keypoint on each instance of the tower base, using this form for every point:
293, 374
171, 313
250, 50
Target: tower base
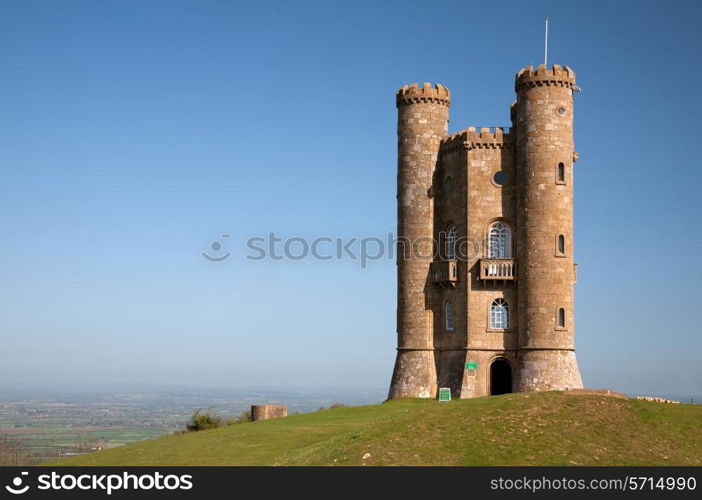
548, 370
414, 375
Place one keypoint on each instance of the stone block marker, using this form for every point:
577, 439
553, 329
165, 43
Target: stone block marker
265, 412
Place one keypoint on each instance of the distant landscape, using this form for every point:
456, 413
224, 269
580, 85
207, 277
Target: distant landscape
39, 423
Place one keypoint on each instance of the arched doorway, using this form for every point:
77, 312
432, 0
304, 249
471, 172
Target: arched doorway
500, 377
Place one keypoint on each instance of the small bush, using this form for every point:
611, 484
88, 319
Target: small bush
201, 421
243, 418
333, 406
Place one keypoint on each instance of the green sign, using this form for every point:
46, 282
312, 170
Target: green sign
444, 394
472, 365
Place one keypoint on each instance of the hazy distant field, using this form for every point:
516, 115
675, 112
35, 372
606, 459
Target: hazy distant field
48, 423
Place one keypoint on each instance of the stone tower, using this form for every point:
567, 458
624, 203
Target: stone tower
422, 124
485, 244
543, 117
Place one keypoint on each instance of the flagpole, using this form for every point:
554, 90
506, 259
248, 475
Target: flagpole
546, 44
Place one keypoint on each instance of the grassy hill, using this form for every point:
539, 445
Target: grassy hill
515, 429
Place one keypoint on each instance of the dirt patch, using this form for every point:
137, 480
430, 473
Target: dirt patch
595, 392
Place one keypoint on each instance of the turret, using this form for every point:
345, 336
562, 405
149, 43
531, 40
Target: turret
543, 121
422, 124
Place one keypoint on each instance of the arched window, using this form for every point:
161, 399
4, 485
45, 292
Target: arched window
500, 241
561, 244
451, 237
499, 314
561, 318
448, 316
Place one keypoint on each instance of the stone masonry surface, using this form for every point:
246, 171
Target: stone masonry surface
495, 205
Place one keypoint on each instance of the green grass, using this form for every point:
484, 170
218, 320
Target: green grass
516, 429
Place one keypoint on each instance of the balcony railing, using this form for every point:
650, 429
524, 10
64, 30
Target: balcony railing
498, 269
444, 272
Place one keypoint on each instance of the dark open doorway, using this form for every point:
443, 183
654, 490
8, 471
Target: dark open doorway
500, 377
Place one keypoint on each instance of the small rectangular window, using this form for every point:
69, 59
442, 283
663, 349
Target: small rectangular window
560, 246
560, 318
448, 316
560, 173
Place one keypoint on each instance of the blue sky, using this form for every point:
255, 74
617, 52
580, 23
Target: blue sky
135, 133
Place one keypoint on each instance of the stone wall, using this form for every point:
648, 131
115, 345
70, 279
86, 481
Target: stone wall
422, 123
450, 205
489, 203
543, 118
265, 412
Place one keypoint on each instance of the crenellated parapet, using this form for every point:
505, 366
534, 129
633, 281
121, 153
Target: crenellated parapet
561, 76
477, 138
413, 94
488, 137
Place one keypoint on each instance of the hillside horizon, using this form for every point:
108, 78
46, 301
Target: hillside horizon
550, 428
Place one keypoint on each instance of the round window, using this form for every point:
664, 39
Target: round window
500, 178
561, 111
